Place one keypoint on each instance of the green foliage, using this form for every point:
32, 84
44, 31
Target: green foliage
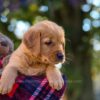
96, 61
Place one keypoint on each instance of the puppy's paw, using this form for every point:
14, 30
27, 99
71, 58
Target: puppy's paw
55, 78
5, 86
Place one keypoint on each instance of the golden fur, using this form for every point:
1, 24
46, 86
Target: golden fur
36, 55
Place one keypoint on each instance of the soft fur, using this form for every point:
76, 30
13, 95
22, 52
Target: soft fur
36, 55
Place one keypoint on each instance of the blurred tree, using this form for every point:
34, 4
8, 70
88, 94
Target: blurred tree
68, 13
96, 62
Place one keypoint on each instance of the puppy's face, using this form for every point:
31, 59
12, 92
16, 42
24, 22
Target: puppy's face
46, 40
4, 48
52, 47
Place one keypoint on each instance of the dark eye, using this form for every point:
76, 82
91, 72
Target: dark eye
3, 43
48, 43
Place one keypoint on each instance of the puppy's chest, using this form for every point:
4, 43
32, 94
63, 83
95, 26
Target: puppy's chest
33, 70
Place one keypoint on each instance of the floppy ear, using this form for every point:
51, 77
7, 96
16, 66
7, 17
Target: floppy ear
32, 41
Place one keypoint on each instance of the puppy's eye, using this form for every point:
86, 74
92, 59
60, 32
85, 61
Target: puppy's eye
48, 42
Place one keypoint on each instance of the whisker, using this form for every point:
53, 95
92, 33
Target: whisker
68, 58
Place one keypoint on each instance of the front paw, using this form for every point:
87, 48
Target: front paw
55, 78
5, 86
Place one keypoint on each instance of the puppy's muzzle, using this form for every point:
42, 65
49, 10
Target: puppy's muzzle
60, 56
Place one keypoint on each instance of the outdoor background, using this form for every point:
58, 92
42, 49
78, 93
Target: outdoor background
81, 22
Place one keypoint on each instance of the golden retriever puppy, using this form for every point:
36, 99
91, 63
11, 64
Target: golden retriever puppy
42, 47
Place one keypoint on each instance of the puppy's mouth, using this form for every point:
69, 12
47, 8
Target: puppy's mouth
57, 58
52, 61
57, 61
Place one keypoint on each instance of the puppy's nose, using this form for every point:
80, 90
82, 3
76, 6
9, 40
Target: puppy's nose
60, 56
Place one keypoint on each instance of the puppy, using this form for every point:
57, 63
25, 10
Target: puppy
42, 47
6, 48
6, 45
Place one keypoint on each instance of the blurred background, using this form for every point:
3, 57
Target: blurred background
81, 22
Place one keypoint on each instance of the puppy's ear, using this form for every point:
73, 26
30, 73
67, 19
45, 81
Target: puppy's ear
32, 41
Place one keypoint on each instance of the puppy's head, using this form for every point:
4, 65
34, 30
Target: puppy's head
46, 40
6, 45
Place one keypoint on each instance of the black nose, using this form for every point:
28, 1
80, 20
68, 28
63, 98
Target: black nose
60, 56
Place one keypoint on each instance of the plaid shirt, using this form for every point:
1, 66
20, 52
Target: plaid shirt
33, 88
1, 58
